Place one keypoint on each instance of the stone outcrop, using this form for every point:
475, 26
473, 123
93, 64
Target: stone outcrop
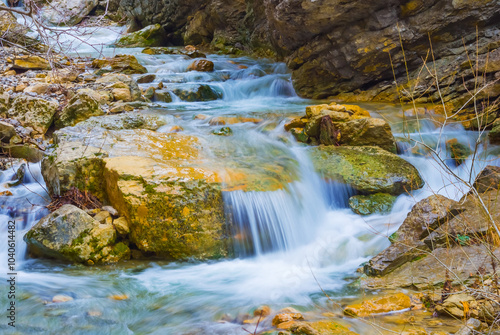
442, 239
351, 49
336, 124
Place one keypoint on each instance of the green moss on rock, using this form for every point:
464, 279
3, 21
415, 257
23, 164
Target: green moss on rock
367, 169
374, 203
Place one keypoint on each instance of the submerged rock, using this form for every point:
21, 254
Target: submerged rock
369, 204
71, 234
150, 36
367, 169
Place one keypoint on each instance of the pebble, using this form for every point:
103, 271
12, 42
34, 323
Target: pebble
61, 298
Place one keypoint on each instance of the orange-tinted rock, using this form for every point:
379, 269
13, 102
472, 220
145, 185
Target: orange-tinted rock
379, 305
201, 65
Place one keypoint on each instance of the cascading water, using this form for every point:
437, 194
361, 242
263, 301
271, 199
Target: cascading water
288, 239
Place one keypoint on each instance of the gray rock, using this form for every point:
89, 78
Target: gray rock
71, 234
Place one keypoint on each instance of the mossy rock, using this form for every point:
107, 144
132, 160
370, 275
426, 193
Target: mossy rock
177, 213
150, 36
458, 151
368, 170
33, 112
380, 203
81, 107
71, 234
494, 134
197, 93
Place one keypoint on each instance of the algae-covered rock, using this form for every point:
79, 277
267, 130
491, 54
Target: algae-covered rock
124, 64
30, 152
367, 169
150, 36
162, 95
174, 212
374, 203
79, 108
32, 112
71, 234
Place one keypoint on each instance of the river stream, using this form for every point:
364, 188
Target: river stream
299, 240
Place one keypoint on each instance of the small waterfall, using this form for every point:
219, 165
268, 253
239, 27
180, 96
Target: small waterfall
25, 206
282, 220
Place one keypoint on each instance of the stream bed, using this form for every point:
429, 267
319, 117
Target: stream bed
302, 239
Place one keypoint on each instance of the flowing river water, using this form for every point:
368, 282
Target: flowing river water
298, 240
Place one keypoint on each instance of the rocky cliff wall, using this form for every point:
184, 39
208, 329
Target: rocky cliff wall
349, 49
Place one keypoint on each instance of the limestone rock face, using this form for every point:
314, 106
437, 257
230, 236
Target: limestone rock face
335, 47
68, 12
33, 112
367, 169
150, 36
71, 234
